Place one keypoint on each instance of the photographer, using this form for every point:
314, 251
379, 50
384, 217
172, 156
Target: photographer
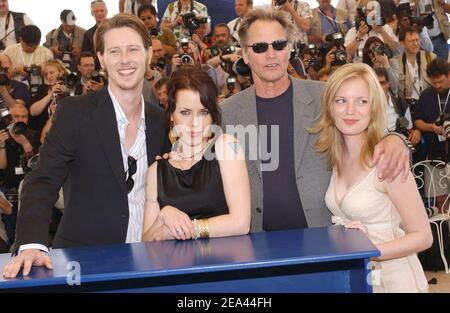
147, 14
189, 55
17, 145
300, 14
412, 65
28, 53
176, 10
377, 55
48, 93
406, 20
397, 112
241, 7
440, 32
223, 49
11, 91
327, 20
159, 62
66, 40
432, 117
90, 80
12, 22
336, 54
5, 209
313, 60
357, 35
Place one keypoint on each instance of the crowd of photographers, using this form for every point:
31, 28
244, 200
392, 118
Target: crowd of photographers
405, 43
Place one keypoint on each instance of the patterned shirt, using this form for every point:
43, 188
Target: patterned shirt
303, 9
174, 10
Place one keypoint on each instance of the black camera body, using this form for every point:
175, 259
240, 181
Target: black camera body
185, 57
382, 49
161, 63
154, 32
4, 77
242, 69
423, 20
192, 22
337, 40
444, 121
6, 122
96, 76
33, 70
361, 17
340, 57
231, 83
280, 2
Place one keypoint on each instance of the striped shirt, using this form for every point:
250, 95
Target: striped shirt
136, 198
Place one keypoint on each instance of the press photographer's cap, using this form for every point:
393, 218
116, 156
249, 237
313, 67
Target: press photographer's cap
68, 16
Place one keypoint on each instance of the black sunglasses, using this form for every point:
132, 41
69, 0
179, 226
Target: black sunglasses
261, 47
132, 167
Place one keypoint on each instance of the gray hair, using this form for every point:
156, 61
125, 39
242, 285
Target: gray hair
267, 15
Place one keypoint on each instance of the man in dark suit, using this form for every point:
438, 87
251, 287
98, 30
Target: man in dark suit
99, 148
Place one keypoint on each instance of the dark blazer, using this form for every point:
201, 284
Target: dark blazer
82, 152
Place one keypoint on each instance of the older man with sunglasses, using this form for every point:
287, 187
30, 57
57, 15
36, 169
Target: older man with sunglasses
288, 179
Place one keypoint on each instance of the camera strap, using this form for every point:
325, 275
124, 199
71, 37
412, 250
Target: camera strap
28, 61
329, 19
440, 104
6, 27
419, 62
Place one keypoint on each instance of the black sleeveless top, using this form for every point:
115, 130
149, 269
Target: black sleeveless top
197, 191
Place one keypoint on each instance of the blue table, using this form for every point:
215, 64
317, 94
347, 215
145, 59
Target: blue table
332, 259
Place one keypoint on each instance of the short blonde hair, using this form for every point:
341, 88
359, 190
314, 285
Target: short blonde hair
330, 139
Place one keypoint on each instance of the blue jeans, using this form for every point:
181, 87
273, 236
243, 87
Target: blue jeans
440, 46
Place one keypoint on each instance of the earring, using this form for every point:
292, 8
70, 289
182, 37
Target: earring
172, 135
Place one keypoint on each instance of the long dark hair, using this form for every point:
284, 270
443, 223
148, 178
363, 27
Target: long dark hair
195, 79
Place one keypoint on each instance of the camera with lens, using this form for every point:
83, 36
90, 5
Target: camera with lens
280, 2
382, 49
335, 38
242, 69
422, 20
33, 70
4, 78
154, 32
231, 83
412, 104
96, 76
361, 17
444, 121
161, 63
315, 60
6, 122
68, 85
340, 57
192, 22
185, 57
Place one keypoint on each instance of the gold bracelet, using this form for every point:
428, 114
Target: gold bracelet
201, 228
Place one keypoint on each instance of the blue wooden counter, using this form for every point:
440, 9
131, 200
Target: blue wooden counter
330, 259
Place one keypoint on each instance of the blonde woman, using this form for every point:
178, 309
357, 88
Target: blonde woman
352, 122
42, 104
